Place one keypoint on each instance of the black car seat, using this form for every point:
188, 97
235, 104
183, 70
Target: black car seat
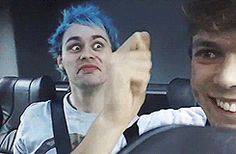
179, 94
15, 95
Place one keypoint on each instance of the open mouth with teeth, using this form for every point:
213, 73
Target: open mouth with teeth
225, 105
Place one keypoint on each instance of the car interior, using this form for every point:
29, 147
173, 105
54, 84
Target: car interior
18, 93
31, 76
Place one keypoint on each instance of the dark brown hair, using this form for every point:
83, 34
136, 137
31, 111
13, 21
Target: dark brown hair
210, 15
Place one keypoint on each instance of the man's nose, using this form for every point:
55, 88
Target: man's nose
87, 53
226, 77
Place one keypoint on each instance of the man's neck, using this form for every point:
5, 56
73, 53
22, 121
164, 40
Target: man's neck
88, 99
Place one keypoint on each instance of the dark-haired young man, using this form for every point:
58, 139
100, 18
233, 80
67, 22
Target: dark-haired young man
213, 29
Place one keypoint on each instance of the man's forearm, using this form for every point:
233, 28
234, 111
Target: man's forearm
101, 137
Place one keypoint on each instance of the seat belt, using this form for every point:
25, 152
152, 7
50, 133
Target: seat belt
131, 133
60, 130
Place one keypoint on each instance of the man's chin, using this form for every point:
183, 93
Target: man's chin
224, 120
91, 83
225, 125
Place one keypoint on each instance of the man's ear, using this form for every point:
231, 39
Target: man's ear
59, 62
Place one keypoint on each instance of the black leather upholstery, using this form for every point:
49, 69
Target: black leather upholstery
179, 94
15, 95
152, 103
184, 140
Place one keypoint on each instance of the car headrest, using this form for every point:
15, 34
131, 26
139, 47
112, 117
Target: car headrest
184, 139
179, 94
15, 95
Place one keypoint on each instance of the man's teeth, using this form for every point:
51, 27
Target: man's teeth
226, 106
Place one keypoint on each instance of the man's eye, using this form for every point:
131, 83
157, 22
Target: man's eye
208, 56
98, 46
76, 48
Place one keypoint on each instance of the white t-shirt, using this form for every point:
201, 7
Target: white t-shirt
35, 134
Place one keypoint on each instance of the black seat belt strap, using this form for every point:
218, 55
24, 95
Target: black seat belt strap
131, 133
60, 130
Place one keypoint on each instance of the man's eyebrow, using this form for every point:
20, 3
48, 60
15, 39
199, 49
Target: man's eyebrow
76, 38
99, 36
205, 43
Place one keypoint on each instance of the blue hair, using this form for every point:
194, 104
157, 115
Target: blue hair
87, 15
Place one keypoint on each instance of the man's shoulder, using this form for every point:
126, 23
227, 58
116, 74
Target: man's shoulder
187, 111
37, 108
39, 105
182, 116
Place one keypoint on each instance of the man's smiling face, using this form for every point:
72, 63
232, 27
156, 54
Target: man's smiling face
214, 76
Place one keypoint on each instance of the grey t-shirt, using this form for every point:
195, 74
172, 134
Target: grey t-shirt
35, 134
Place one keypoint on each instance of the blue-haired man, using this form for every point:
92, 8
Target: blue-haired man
82, 46
107, 88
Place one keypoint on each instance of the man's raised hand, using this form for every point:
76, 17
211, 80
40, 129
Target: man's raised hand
129, 76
